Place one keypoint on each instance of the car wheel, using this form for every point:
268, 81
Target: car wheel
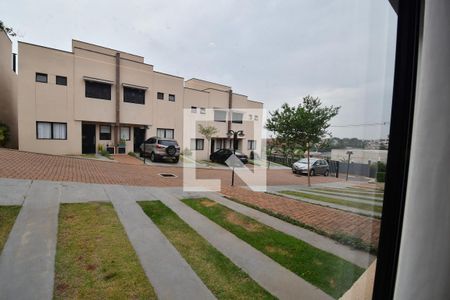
326, 173
312, 172
293, 171
152, 157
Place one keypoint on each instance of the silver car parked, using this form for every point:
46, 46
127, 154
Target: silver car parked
160, 148
316, 167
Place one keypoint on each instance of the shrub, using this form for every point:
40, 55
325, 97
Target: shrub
381, 176
100, 148
4, 134
132, 154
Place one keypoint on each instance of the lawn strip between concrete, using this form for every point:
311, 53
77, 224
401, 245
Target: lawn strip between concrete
169, 273
8, 216
221, 276
328, 272
94, 259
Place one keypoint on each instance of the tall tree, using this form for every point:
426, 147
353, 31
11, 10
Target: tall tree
7, 29
304, 125
208, 132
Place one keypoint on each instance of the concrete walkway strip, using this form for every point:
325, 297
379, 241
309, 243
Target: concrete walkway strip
276, 279
359, 258
13, 191
27, 262
169, 273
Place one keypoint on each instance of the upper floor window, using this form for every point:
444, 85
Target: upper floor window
220, 116
51, 131
98, 90
61, 80
133, 95
41, 77
160, 96
172, 97
165, 133
237, 118
202, 110
194, 109
255, 118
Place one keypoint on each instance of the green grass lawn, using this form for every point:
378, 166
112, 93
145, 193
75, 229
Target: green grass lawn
348, 194
328, 272
224, 279
94, 259
364, 206
8, 216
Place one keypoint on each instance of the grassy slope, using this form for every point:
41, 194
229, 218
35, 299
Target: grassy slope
354, 194
94, 259
219, 274
324, 270
8, 216
364, 206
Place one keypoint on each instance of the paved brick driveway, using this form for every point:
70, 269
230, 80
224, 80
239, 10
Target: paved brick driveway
126, 170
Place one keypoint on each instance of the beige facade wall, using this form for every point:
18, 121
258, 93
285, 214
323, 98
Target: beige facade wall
8, 90
49, 102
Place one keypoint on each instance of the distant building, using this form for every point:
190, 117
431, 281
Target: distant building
362, 156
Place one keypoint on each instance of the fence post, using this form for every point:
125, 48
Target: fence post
337, 169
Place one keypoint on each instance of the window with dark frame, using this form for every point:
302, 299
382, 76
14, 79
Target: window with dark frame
251, 144
197, 144
97, 90
61, 80
220, 116
237, 118
51, 130
172, 97
193, 109
165, 133
133, 95
105, 132
160, 96
41, 77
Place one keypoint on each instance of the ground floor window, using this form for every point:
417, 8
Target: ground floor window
197, 144
165, 133
251, 144
51, 131
125, 133
105, 132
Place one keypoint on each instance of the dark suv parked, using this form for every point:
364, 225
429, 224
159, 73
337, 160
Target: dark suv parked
160, 148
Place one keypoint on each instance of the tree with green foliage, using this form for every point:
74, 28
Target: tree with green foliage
208, 132
303, 125
7, 29
4, 134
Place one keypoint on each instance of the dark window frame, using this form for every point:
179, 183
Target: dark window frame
61, 80
165, 135
92, 95
172, 97
197, 141
131, 94
160, 95
102, 138
253, 143
51, 131
41, 74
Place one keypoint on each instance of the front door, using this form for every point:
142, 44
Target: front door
139, 138
213, 142
88, 138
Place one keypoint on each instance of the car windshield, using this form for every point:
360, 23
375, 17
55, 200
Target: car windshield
167, 143
305, 161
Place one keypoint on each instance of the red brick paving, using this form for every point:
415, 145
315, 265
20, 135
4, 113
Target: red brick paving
331, 221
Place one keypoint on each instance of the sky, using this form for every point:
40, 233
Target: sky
274, 51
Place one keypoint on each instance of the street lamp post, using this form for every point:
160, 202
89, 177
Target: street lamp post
349, 153
235, 135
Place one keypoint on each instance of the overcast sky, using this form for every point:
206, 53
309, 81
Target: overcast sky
273, 51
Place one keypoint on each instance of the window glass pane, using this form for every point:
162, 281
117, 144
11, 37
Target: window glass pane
133, 95
171, 97
160, 96
169, 133
44, 130
237, 118
59, 131
125, 133
193, 109
61, 80
98, 90
202, 110
220, 116
199, 144
105, 132
41, 77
